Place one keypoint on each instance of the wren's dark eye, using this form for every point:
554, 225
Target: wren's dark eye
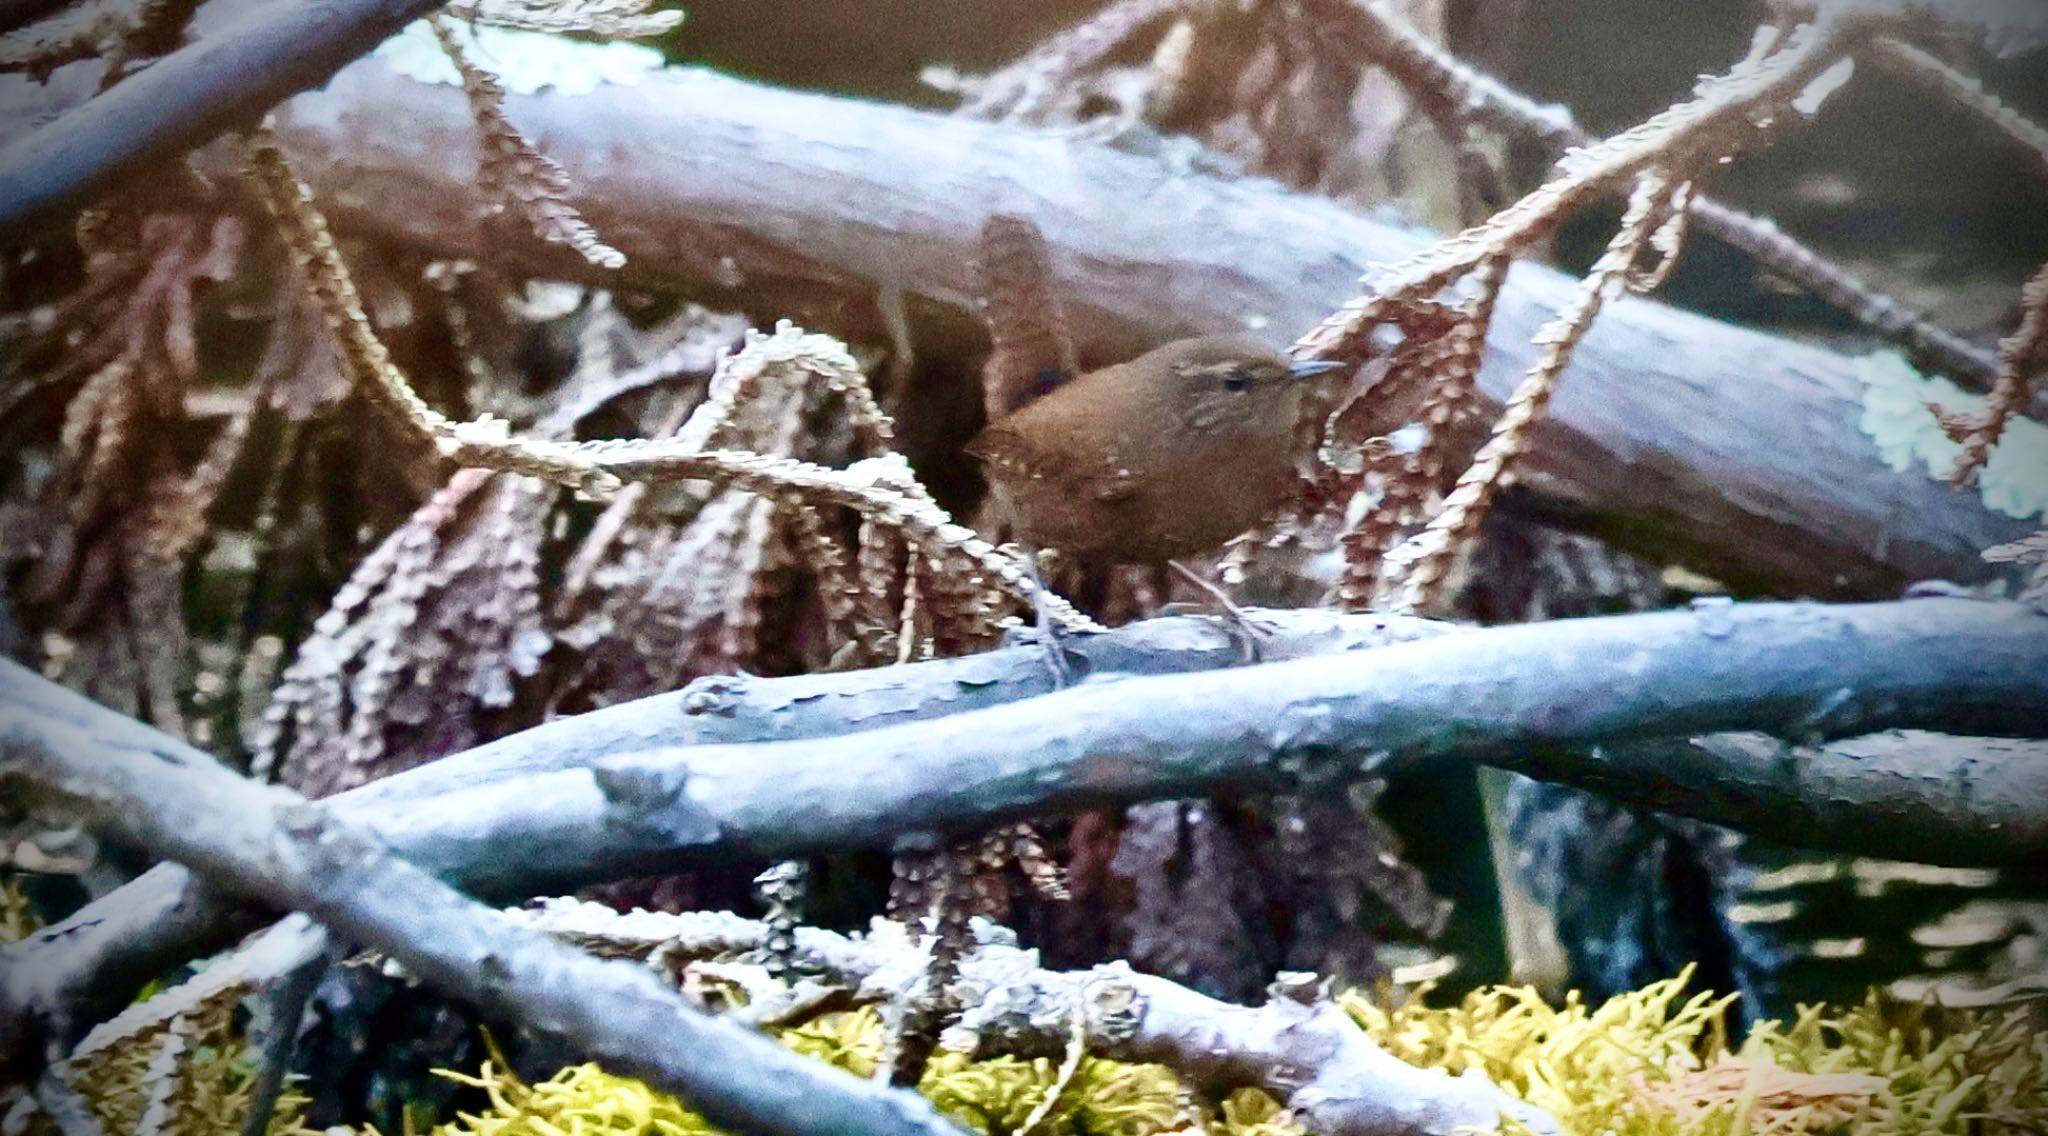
1236, 381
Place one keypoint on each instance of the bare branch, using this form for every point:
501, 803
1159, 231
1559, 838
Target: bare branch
654, 785
86, 967
273, 845
223, 81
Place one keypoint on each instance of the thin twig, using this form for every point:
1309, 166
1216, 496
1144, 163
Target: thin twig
1968, 91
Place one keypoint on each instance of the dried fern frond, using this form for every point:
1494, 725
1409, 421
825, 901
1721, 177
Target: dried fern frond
79, 31
1968, 91
861, 638
603, 19
1432, 378
600, 468
343, 711
513, 169
2020, 356
1727, 111
656, 599
1441, 341
1459, 97
1019, 90
1425, 562
432, 641
110, 529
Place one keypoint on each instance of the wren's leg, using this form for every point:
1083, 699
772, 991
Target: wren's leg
1045, 630
1245, 630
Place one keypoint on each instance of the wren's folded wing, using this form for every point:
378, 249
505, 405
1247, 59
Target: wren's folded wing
1011, 458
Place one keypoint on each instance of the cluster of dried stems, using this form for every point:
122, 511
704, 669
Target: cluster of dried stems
774, 476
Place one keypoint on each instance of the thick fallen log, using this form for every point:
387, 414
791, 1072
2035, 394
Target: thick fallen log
1673, 435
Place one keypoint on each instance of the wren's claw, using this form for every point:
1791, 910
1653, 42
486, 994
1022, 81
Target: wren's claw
1045, 631
1247, 633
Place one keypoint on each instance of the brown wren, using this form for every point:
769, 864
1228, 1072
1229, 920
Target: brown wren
1144, 462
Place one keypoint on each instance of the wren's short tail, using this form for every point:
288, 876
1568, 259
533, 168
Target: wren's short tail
1033, 353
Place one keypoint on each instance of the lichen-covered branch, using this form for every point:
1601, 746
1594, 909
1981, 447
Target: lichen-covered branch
1300, 1046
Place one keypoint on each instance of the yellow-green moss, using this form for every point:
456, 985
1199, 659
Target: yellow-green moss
1653, 1063
17, 916
994, 1097
193, 1069
1616, 1070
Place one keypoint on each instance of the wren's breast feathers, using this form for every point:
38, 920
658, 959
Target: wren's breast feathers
1167, 455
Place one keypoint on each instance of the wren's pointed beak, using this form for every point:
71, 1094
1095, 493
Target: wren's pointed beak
1303, 368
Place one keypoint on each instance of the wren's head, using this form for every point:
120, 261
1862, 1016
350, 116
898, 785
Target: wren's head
1231, 383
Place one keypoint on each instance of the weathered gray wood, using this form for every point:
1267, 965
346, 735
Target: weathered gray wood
1674, 435
1563, 700
221, 81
